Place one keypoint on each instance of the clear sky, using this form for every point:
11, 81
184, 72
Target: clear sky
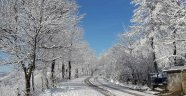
104, 20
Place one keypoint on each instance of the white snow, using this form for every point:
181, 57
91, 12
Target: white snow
128, 87
74, 87
174, 68
115, 92
77, 87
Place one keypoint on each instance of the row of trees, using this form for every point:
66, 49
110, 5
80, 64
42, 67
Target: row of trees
155, 40
42, 38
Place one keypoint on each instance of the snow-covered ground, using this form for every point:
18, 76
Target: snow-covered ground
124, 88
145, 89
115, 92
75, 87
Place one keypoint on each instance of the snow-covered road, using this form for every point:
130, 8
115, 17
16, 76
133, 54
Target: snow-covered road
118, 89
76, 87
113, 89
97, 87
91, 86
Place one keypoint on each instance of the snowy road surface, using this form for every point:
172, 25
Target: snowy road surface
118, 89
113, 89
75, 87
97, 87
91, 86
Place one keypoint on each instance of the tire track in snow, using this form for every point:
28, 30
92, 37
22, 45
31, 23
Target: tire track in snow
96, 79
97, 88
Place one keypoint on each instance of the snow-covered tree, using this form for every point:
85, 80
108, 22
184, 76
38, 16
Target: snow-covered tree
30, 27
156, 20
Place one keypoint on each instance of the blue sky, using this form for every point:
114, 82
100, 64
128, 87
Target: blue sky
6, 68
104, 20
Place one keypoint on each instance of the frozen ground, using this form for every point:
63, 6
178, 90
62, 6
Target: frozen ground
97, 87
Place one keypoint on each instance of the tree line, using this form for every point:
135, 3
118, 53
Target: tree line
154, 41
44, 41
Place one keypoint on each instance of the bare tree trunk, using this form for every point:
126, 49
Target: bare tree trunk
63, 71
46, 82
154, 54
27, 72
27, 81
52, 72
92, 73
69, 66
77, 73
33, 85
18, 93
42, 84
44, 78
82, 70
174, 50
34, 62
174, 44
